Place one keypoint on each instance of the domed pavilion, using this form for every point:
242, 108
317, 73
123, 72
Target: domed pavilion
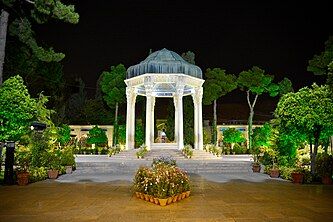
164, 74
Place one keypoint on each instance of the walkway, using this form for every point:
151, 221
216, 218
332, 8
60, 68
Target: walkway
236, 200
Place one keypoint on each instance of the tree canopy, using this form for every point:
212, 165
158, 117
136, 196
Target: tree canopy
232, 136
318, 65
39, 11
113, 85
97, 136
17, 109
308, 111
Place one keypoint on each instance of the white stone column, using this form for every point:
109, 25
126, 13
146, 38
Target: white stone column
130, 95
132, 133
152, 138
200, 133
196, 121
179, 97
149, 89
176, 118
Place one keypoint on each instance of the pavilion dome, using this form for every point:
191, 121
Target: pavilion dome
164, 61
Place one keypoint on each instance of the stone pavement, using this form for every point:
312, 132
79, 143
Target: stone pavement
232, 200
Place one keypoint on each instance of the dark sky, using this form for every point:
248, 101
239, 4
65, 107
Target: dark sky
277, 36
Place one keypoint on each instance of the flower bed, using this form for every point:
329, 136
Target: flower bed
162, 184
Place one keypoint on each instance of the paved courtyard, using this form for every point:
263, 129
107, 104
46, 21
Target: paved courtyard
227, 200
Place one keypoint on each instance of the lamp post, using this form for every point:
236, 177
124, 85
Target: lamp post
9, 163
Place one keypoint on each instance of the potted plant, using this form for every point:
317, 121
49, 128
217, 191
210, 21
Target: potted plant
68, 159
324, 167
54, 164
256, 167
22, 160
298, 174
274, 172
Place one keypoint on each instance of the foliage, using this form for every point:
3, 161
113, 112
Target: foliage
97, 136
207, 135
76, 103
168, 160
308, 112
212, 148
64, 132
189, 57
37, 174
239, 149
188, 120
103, 116
122, 134
142, 151
324, 164
39, 11
115, 149
139, 134
188, 151
113, 87
17, 109
232, 136
161, 181
217, 84
22, 158
170, 124
319, 63
255, 82
261, 135
67, 156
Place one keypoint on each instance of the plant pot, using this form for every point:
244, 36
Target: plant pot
256, 168
162, 202
297, 177
183, 195
142, 196
146, 197
169, 200
187, 193
174, 199
137, 194
327, 180
156, 200
179, 197
69, 169
22, 178
274, 173
52, 174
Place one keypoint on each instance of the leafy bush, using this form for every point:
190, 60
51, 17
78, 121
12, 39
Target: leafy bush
37, 174
188, 151
139, 134
115, 149
207, 135
67, 156
239, 149
168, 160
122, 134
324, 164
97, 136
142, 151
64, 134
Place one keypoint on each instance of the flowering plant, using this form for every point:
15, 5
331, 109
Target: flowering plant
162, 180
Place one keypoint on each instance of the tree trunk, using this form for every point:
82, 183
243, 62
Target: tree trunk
315, 150
115, 125
3, 34
251, 106
250, 131
215, 124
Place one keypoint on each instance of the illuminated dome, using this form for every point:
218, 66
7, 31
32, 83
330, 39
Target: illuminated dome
164, 61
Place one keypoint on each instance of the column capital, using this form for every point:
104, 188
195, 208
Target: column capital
130, 94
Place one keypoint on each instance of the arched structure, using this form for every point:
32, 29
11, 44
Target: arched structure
164, 74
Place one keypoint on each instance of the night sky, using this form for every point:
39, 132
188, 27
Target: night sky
277, 36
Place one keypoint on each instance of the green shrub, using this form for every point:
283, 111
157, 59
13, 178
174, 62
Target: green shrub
97, 136
142, 151
285, 172
188, 151
239, 149
67, 156
37, 174
207, 135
